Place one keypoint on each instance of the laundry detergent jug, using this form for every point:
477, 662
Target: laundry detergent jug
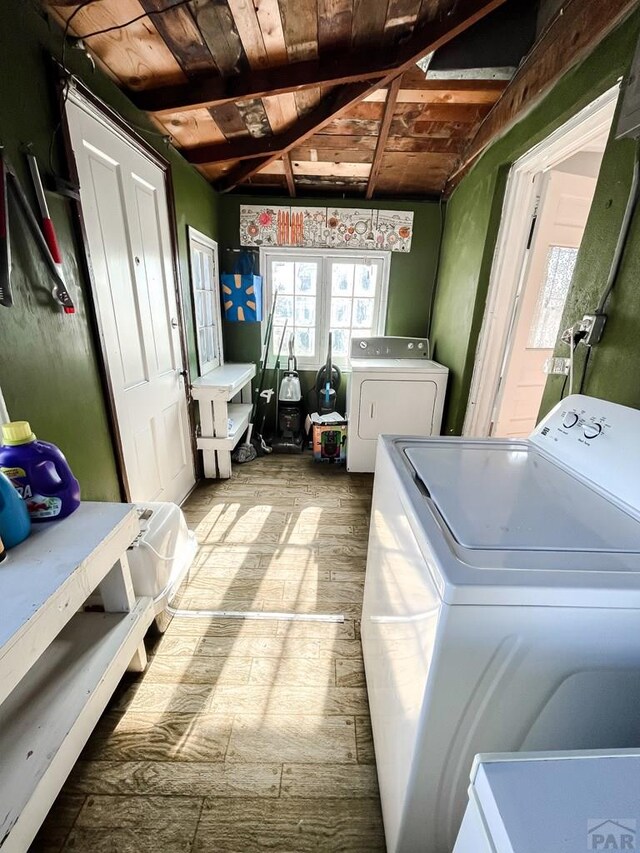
39, 472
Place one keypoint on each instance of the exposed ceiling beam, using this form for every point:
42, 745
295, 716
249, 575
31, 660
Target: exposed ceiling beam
288, 173
423, 40
568, 39
383, 135
353, 66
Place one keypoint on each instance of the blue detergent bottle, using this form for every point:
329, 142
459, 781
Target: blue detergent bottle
39, 473
15, 524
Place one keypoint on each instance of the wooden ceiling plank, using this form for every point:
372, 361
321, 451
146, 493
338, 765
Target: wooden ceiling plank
389, 108
331, 155
344, 98
231, 123
135, 55
268, 15
307, 100
194, 128
368, 22
300, 25
401, 19
576, 30
335, 23
280, 112
216, 23
322, 140
250, 33
181, 35
255, 118
322, 169
288, 173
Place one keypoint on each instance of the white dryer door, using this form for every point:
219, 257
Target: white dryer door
396, 406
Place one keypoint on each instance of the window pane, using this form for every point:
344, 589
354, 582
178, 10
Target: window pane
283, 276
365, 284
276, 337
284, 308
362, 313
207, 272
561, 261
196, 261
341, 312
306, 275
305, 311
305, 342
340, 340
342, 279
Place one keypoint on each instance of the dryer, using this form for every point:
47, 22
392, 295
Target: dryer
394, 387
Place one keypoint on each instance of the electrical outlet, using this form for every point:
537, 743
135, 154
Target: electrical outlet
556, 365
593, 326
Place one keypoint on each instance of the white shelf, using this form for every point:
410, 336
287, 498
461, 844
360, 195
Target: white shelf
47, 578
48, 718
223, 383
239, 414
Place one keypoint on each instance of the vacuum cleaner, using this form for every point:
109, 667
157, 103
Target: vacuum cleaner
323, 396
289, 415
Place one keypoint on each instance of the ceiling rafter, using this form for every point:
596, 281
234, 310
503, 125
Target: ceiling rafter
288, 173
389, 109
423, 41
569, 38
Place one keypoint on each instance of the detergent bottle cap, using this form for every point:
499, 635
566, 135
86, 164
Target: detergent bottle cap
17, 432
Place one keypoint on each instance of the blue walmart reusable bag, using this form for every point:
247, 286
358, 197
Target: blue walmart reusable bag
242, 292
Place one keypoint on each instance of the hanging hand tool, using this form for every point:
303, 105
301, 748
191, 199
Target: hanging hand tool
5, 245
59, 293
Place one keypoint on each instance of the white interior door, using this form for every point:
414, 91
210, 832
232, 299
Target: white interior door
126, 218
564, 206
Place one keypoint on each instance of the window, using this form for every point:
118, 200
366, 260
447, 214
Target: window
206, 300
561, 262
344, 293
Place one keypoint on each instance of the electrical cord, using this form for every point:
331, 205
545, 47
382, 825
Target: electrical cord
584, 369
122, 26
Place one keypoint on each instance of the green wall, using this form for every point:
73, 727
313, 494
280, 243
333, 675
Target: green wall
473, 216
410, 279
49, 370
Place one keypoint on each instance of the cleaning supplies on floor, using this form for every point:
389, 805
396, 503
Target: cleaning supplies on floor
39, 472
15, 524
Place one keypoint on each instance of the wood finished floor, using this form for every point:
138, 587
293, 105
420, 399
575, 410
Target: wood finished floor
244, 735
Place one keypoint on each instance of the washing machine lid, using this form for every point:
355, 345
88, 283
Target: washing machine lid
558, 803
509, 497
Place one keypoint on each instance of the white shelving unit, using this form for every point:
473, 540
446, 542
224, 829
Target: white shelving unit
58, 665
214, 393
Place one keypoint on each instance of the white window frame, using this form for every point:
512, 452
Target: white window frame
325, 257
197, 237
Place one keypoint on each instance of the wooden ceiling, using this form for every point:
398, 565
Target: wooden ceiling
298, 96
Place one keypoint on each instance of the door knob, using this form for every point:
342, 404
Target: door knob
174, 323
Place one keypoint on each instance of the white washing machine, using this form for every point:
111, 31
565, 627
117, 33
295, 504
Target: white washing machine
558, 802
501, 607
394, 387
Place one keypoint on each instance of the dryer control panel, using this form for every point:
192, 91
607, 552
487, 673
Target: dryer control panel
598, 440
389, 346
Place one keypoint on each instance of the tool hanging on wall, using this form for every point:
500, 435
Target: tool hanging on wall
60, 294
6, 298
14, 189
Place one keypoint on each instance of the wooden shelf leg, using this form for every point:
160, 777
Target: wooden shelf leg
206, 429
221, 430
116, 591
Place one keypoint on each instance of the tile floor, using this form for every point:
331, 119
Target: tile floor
244, 735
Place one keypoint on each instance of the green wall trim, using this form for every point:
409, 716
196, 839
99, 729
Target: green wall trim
473, 218
49, 368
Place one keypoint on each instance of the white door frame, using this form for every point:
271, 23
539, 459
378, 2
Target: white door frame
195, 236
509, 268
75, 90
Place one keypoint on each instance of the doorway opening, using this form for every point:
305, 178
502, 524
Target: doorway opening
547, 202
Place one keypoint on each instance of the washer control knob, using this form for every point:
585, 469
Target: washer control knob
592, 430
570, 420
363, 344
420, 346
410, 345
